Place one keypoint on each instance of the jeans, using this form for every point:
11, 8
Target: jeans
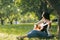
35, 33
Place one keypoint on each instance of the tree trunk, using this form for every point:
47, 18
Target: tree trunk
59, 27
56, 5
2, 22
11, 22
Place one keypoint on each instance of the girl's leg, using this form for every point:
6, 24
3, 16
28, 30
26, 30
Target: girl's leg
33, 33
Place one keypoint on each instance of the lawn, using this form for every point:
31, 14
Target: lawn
9, 32
16, 29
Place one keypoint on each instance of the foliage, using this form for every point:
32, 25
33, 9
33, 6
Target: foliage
29, 17
37, 6
18, 10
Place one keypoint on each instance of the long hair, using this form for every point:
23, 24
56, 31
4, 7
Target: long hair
46, 15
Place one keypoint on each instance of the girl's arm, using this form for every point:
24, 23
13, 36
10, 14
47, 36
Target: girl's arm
38, 27
41, 21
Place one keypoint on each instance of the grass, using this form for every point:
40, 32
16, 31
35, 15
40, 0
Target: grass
11, 31
16, 29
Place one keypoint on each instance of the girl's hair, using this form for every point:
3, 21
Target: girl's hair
46, 15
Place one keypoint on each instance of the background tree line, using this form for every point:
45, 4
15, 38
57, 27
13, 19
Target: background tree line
18, 9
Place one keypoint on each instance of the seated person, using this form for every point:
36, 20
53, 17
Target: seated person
40, 28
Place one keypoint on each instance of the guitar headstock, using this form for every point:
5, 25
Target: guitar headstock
54, 20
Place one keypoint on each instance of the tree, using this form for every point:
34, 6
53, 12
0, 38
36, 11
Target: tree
56, 5
15, 7
7, 9
37, 6
4, 9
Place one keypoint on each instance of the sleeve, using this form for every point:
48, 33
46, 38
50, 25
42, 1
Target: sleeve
45, 24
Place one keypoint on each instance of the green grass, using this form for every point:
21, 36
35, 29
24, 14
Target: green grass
16, 29
22, 29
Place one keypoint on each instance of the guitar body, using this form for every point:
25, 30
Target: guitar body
37, 27
41, 26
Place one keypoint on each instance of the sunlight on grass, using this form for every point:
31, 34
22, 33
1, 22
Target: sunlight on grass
9, 32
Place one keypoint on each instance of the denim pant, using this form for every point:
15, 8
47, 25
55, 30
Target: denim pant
35, 33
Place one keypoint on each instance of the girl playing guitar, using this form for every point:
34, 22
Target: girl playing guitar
40, 28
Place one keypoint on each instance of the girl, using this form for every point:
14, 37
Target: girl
40, 28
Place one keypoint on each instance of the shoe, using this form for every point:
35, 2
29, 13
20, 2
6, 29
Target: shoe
19, 38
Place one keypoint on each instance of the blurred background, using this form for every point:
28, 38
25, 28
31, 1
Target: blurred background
17, 17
